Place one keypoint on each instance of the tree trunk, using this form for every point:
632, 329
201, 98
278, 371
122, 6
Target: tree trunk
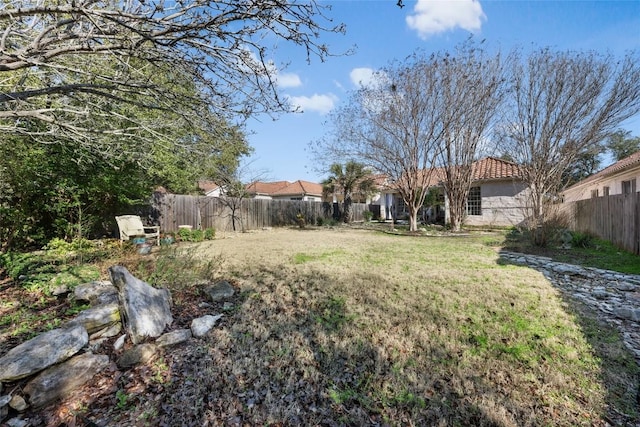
413, 218
347, 210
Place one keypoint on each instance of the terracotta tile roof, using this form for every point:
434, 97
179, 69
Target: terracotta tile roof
488, 168
207, 186
494, 168
621, 165
300, 188
266, 188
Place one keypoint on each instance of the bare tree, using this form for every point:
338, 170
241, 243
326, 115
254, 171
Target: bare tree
69, 66
473, 84
393, 125
562, 105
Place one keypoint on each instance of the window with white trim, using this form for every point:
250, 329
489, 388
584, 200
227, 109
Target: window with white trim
474, 201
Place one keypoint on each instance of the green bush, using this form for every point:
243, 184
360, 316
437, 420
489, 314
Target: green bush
210, 233
184, 234
367, 215
197, 235
582, 240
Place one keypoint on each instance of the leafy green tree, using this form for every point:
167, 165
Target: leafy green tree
348, 180
54, 190
622, 144
71, 65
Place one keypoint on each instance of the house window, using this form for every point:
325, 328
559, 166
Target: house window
474, 202
594, 193
296, 198
605, 191
629, 187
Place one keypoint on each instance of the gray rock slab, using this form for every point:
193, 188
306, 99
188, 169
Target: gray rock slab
220, 291
17, 422
119, 342
93, 291
41, 352
174, 338
108, 332
146, 311
60, 380
141, 353
97, 318
202, 325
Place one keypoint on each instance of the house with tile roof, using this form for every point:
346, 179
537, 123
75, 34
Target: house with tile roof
498, 195
210, 188
620, 178
284, 190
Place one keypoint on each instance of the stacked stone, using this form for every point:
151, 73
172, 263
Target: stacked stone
615, 295
59, 361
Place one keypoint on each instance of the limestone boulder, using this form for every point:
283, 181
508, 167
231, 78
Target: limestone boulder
58, 381
145, 310
42, 351
96, 318
17, 402
96, 292
174, 338
220, 291
202, 325
141, 353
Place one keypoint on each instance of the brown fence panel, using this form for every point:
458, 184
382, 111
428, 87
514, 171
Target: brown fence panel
613, 218
229, 214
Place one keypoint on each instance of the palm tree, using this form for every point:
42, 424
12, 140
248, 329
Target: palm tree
353, 178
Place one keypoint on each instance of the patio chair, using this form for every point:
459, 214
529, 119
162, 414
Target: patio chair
131, 226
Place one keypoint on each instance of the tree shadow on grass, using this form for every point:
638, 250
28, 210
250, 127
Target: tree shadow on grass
300, 352
620, 373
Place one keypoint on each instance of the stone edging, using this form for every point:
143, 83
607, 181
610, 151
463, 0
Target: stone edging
616, 296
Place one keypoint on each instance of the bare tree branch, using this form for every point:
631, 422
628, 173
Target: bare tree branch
563, 105
139, 52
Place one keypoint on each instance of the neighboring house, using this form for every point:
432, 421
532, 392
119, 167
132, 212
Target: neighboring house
284, 190
498, 196
264, 190
620, 178
210, 188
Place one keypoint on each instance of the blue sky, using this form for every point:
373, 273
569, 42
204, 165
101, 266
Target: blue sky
380, 32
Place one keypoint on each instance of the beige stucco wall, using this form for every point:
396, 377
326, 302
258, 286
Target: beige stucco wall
614, 182
503, 204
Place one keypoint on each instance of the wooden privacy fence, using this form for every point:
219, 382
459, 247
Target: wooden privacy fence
233, 214
613, 218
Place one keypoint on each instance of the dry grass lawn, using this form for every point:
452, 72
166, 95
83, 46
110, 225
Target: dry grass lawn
356, 327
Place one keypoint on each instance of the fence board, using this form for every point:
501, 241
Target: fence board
229, 214
614, 218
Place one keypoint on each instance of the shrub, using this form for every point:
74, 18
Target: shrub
583, 240
210, 233
197, 235
367, 215
184, 234
300, 220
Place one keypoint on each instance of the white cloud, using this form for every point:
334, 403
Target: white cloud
437, 16
288, 80
319, 103
361, 76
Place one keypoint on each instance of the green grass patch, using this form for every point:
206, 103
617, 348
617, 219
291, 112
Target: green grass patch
303, 257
